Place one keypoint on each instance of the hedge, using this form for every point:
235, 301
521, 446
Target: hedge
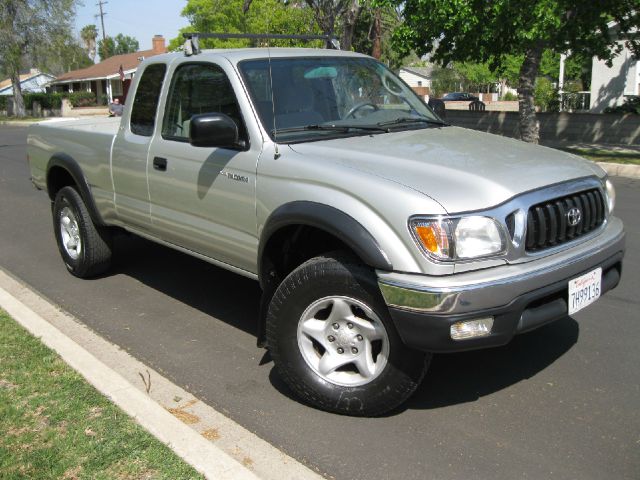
82, 99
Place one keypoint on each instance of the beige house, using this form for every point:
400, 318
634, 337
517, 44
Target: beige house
105, 78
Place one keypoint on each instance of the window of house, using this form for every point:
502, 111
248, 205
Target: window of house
199, 88
143, 112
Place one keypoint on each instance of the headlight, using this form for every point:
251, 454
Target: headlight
448, 239
611, 196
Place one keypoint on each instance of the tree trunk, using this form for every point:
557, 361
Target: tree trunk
376, 51
529, 127
18, 101
350, 18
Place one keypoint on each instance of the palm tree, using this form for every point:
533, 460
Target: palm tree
88, 35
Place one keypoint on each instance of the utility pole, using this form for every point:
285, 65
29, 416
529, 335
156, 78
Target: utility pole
102, 14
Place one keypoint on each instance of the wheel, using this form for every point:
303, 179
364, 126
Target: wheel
357, 107
332, 340
85, 248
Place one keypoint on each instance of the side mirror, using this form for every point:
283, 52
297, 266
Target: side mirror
213, 130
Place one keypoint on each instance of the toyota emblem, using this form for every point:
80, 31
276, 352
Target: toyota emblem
574, 216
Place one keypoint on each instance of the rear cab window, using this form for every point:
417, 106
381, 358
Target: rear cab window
145, 103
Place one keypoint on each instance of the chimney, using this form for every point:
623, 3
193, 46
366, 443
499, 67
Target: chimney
158, 45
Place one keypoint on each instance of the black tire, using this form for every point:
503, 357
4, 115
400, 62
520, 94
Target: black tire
329, 278
90, 256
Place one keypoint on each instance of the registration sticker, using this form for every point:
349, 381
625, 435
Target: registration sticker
584, 290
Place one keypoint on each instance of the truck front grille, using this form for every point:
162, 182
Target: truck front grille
553, 222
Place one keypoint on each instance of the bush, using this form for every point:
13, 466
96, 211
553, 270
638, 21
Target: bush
46, 100
509, 97
3, 102
82, 99
630, 105
546, 96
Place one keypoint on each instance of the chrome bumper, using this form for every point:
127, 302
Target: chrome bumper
423, 307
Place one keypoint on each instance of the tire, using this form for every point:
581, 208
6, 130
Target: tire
85, 248
333, 342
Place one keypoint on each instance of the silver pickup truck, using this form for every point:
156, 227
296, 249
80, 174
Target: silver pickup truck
379, 234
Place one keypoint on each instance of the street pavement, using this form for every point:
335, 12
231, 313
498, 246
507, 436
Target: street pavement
559, 402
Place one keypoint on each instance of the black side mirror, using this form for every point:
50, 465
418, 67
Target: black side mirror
213, 130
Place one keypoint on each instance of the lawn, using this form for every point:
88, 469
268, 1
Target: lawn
54, 425
603, 155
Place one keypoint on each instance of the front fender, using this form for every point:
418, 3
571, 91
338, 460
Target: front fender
333, 221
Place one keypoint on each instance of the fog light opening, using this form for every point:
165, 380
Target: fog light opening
480, 327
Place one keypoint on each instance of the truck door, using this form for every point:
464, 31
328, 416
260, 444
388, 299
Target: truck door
203, 198
131, 151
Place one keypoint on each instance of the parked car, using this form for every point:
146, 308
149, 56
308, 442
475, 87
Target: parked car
459, 97
378, 233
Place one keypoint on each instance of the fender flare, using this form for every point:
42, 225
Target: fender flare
331, 220
66, 162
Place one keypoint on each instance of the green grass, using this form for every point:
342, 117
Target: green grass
597, 155
54, 425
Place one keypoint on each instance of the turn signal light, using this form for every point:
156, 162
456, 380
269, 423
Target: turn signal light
480, 327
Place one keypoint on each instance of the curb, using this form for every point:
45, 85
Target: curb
621, 169
194, 449
209, 441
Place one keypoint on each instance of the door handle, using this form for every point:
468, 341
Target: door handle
160, 163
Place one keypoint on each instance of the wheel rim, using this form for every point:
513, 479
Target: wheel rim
343, 341
70, 233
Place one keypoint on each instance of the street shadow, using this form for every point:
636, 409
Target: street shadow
457, 378
451, 379
214, 291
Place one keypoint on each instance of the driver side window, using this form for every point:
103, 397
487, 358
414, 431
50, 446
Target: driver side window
199, 88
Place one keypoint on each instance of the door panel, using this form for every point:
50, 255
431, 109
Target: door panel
131, 151
205, 198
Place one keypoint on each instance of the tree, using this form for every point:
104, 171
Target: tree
27, 26
472, 30
118, 45
88, 34
261, 16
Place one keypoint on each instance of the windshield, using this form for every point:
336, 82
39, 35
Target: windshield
318, 97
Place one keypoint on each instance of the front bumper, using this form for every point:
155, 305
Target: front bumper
520, 297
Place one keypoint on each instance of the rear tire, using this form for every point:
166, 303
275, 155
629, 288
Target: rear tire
84, 247
333, 342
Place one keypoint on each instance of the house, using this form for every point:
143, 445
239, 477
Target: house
110, 78
32, 82
418, 78
610, 86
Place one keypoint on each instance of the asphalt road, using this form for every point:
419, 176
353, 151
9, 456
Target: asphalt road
560, 402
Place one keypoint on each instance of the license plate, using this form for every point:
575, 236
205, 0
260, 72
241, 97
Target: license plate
584, 290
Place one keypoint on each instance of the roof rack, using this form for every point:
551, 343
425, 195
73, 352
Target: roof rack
192, 39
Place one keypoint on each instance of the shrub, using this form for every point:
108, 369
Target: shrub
3, 102
630, 105
46, 100
546, 96
509, 97
82, 99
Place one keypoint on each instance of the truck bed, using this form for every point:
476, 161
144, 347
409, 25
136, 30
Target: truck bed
87, 141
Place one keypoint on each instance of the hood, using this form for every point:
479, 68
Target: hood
461, 169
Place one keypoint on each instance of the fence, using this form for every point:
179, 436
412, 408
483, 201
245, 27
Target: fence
614, 129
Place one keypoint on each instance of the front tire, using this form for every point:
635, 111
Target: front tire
84, 247
333, 342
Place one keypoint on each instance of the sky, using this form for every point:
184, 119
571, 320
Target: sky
141, 19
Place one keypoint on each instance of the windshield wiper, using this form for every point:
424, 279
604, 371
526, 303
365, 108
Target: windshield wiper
403, 120
340, 128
